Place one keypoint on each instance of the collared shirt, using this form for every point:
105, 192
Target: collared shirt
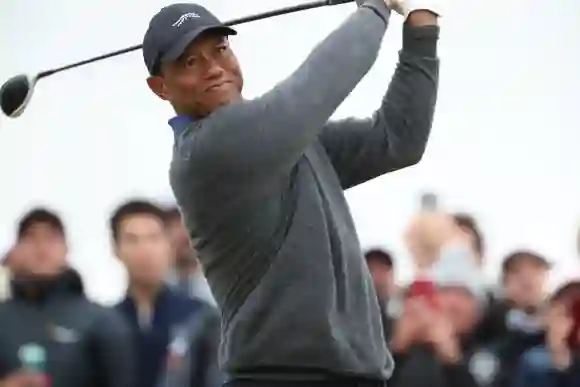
179, 123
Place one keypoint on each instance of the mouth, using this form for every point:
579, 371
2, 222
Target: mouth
218, 86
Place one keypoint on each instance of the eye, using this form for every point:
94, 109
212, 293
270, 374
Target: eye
190, 61
222, 48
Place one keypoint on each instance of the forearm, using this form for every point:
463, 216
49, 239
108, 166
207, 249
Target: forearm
271, 132
409, 104
396, 136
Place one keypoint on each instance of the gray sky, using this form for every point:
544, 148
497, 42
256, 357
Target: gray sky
504, 143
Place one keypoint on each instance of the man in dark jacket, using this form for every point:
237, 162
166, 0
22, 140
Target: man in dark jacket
51, 334
431, 340
175, 336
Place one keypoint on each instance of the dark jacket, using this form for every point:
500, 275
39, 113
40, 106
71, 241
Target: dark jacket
178, 346
536, 370
86, 344
420, 367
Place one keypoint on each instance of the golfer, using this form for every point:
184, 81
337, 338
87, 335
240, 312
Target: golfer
261, 186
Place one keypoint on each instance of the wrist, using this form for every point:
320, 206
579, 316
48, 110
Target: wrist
561, 359
449, 352
422, 18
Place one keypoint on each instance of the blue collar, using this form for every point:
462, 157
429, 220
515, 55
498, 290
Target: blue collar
179, 123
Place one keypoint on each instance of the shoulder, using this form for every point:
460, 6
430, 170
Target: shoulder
107, 318
187, 306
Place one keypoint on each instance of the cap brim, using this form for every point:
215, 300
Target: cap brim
179, 48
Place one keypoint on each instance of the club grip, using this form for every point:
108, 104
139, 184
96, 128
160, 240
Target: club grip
337, 2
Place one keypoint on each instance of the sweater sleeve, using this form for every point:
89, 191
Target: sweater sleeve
254, 139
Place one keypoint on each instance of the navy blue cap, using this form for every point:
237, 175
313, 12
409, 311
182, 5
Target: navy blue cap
173, 28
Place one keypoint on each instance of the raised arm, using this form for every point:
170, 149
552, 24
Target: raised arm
266, 136
396, 135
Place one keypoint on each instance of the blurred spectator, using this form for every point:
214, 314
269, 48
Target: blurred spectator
380, 263
556, 364
176, 337
187, 273
50, 330
524, 275
431, 340
492, 324
469, 226
430, 235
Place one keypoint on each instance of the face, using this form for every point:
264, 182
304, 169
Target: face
524, 283
144, 248
460, 307
205, 77
41, 251
382, 275
184, 254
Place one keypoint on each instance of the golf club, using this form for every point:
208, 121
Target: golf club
16, 92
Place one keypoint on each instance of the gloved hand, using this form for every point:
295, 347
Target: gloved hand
405, 7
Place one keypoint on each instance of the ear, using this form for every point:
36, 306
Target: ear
157, 85
115, 248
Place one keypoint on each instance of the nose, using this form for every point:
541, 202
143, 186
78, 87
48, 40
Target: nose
212, 67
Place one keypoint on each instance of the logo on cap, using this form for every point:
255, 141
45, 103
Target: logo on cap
184, 17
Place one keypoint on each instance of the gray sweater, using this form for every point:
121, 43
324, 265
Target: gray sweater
261, 186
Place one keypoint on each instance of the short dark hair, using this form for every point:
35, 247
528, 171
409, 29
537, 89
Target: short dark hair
132, 208
172, 213
380, 255
468, 222
517, 256
39, 215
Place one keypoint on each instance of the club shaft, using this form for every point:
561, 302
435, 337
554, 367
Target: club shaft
247, 19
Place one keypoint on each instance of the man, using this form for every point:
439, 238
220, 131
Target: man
186, 274
524, 275
50, 330
557, 362
260, 184
431, 340
175, 336
380, 264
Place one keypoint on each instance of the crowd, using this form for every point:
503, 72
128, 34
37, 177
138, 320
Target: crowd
446, 329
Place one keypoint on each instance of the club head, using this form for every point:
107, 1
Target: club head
15, 94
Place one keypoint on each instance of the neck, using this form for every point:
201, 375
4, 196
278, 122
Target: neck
144, 294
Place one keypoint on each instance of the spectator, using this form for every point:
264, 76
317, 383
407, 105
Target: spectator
380, 263
431, 235
492, 325
176, 337
524, 275
186, 274
50, 325
469, 226
430, 340
557, 363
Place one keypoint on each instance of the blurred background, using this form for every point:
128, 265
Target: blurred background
504, 143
